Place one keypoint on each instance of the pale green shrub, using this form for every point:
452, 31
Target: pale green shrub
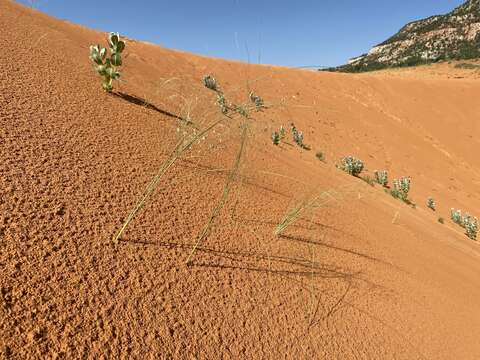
352, 165
381, 177
107, 67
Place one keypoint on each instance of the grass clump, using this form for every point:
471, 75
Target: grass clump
107, 67
381, 177
223, 198
183, 146
352, 165
431, 203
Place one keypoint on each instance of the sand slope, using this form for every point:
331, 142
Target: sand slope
363, 277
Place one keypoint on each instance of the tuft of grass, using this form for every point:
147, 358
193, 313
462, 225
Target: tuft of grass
180, 149
307, 204
294, 214
223, 198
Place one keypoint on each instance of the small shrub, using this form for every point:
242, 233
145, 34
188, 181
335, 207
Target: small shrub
276, 138
401, 187
320, 156
352, 165
298, 137
456, 216
210, 83
381, 177
441, 220
258, 101
431, 203
107, 67
470, 223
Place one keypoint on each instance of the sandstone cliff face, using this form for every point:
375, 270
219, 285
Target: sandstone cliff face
455, 35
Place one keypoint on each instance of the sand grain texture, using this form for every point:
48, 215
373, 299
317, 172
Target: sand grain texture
363, 277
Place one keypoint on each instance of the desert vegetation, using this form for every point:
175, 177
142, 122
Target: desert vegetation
381, 177
146, 213
352, 165
466, 221
108, 66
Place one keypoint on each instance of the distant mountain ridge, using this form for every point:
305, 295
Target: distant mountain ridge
455, 35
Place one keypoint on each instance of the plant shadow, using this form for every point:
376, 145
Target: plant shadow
144, 103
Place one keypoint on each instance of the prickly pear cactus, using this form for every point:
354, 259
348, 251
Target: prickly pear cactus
107, 67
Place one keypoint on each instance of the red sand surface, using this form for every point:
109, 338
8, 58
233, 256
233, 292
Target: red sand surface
362, 277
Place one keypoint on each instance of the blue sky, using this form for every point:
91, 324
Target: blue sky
291, 33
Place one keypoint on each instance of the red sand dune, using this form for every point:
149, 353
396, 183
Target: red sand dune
362, 277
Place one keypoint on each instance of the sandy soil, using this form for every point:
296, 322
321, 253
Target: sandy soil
362, 277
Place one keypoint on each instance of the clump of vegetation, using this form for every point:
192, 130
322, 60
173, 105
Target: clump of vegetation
257, 100
431, 203
298, 137
107, 67
381, 177
352, 165
441, 220
468, 222
401, 188
320, 156
210, 83
456, 216
278, 136
182, 147
225, 107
